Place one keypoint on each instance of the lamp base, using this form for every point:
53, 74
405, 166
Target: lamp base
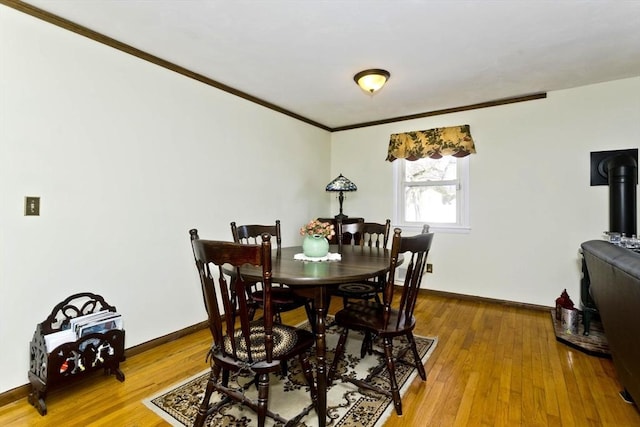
341, 216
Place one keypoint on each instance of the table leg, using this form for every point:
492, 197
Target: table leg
321, 353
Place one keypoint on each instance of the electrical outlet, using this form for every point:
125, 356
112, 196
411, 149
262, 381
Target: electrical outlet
31, 206
429, 268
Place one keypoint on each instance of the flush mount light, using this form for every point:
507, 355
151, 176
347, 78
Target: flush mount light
372, 80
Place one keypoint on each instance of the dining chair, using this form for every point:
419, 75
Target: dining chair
283, 298
336, 221
391, 319
370, 234
242, 346
350, 233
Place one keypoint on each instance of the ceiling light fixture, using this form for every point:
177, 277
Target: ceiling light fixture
372, 80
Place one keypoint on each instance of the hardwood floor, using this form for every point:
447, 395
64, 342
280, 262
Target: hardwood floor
495, 365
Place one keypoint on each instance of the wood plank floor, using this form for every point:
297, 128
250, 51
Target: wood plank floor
495, 365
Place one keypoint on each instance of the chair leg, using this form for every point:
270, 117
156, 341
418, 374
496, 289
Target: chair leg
263, 397
225, 377
283, 368
338, 355
311, 315
416, 356
252, 311
395, 392
307, 371
367, 345
204, 406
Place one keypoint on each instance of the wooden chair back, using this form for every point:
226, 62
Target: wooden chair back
282, 297
218, 287
335, 222
376, 234
415, 250
250, 234
351, 233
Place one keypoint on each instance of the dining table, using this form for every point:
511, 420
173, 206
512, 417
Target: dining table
315, 279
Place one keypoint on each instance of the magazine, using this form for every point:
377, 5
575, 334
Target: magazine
58, 338
77, 321
98, 322
101, 325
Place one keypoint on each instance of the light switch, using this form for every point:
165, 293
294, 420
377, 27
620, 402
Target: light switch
31, 206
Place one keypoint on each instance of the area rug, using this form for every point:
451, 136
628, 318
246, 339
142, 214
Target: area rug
347, 406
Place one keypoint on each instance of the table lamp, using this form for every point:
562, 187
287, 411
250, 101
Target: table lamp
341, 184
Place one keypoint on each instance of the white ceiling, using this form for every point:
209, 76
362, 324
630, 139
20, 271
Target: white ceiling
301, 55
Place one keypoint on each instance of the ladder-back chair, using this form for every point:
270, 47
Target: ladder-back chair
242, 346
393, 318
370, 234
283, 298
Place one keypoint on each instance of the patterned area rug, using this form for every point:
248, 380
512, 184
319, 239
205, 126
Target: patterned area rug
347, 405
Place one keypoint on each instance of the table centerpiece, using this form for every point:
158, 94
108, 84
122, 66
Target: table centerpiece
316, 234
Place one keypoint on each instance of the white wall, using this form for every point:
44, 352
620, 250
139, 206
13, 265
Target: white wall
531, 200
127, 157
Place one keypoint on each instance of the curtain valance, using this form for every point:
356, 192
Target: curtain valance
434, 143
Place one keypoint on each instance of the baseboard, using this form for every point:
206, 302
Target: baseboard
21, 392
484, 300
148, 345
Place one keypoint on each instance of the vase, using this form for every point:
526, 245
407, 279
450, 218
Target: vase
315, 246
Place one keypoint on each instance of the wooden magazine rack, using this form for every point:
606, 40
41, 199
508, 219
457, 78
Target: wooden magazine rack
72, 359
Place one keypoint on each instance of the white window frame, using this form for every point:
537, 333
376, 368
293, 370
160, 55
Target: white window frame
462, 224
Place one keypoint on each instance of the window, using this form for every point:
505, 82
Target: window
432, 191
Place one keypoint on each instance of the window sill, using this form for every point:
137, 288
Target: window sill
417, 229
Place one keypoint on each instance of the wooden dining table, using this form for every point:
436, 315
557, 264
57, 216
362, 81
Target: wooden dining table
314, 279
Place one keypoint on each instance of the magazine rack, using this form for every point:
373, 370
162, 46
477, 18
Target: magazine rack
72, 359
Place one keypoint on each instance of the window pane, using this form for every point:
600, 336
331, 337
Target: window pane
431, 204
431, 169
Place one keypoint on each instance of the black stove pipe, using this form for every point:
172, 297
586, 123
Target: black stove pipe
623, 178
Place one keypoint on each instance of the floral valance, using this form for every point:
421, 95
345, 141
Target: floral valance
434, 143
